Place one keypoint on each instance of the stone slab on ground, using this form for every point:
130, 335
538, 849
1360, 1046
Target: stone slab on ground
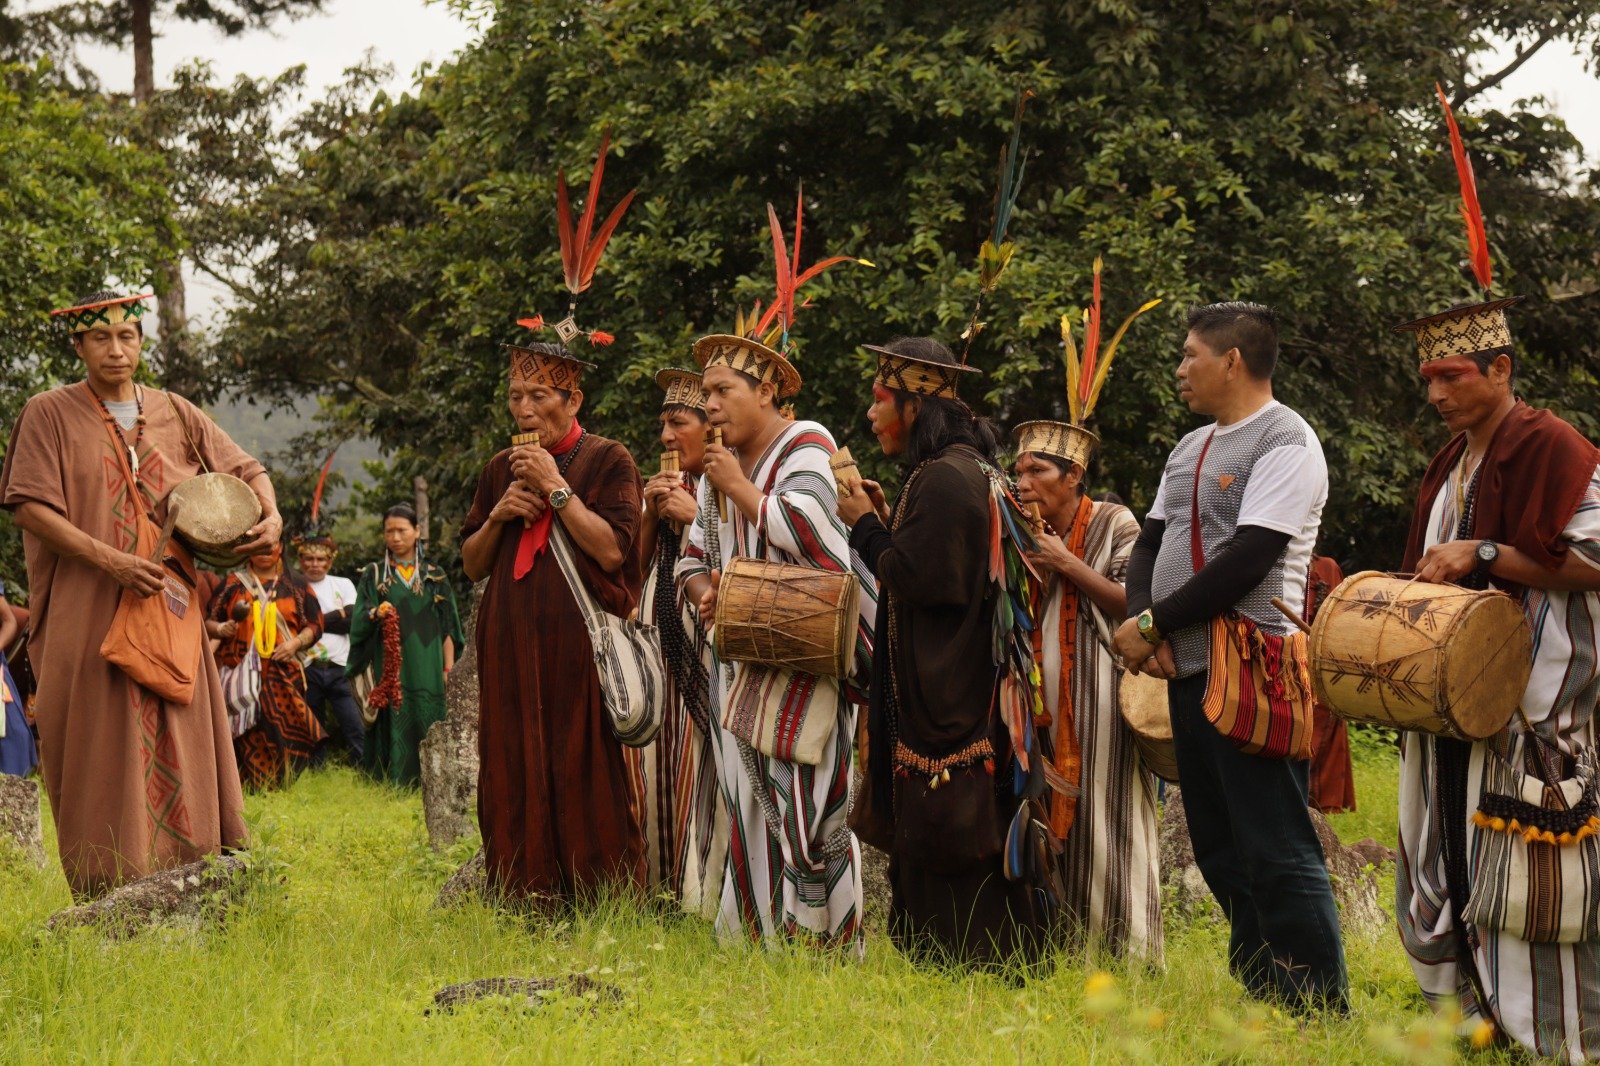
533, 992
449, 753
1350, 870
467, 883
20, 830
181, 896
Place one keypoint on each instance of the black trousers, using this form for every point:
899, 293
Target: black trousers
1255, 846
329, 696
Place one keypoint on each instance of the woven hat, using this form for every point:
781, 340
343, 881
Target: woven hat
1475, 328
110, 310
680, 388
550, 365
1086, 380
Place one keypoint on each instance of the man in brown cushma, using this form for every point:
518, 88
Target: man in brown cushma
136, 784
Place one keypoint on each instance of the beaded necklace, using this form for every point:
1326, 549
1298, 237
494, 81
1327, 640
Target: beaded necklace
138, 424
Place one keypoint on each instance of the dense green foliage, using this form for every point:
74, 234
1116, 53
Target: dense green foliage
1292, 156
339, 963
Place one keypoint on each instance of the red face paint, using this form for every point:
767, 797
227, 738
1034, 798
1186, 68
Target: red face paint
885, 417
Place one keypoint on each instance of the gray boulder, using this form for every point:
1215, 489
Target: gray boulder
183, 896
1350, 870
449, 753
20, 831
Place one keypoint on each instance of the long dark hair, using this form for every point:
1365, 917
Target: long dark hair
940, 422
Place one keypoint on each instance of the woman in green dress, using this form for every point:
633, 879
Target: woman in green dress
419, 594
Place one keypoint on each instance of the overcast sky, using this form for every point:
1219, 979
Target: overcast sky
406, 34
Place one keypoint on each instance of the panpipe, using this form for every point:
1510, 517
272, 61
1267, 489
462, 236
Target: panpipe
845, 470
714, 436
672, 463
518, 440
1035, 518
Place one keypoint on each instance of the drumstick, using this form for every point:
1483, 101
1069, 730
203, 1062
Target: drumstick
714, 436
1291, 614
166, 531
517, 441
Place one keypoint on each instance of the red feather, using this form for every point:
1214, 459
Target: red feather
784, 304
1471, 209
591, 258
600, 338
799, 212
1091, 338
591, 203
316, 497
569, 258
535, 323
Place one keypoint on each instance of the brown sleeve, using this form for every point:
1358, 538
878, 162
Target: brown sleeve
483, 501
218, 450
33, 471
616, 494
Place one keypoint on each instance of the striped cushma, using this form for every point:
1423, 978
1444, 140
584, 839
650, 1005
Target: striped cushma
799, 878
675, 777
1111, 886
1545, 996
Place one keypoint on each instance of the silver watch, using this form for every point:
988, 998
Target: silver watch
559, 498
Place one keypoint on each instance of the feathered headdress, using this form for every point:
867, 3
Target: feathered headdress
994, 255
314, 541
582, 247
1473, 329
1086, 379
760, 345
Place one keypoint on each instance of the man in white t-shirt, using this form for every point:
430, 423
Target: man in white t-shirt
1232, 528
327, 689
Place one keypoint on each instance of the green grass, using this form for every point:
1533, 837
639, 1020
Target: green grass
339, 961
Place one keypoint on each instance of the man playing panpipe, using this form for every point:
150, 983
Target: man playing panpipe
685, 821
940, 757
553, 795
1495, 881
136, 784
1111, 888
793, 868
1232, 527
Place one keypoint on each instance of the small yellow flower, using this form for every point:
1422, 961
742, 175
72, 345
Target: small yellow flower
1099, 983
1156, 1019
1482, 1034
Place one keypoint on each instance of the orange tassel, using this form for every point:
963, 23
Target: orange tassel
535, 323
600, 338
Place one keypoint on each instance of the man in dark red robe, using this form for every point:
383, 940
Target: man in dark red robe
553, 799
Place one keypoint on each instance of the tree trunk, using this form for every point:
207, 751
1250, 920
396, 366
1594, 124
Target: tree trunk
144, 60
177, 361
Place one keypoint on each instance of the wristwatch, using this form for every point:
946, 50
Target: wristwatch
559, 498
1147, 627
1488, 552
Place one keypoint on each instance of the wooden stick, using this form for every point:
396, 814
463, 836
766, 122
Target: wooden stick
1291, 614
166, 531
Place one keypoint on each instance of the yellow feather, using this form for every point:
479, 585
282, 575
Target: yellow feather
1111, 350
1074, 368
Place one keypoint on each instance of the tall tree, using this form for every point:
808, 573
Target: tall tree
132, 23
1288, 153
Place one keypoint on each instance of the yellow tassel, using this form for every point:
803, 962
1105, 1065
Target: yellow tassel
944, 777
1498, 824
1530, 835
1565, 839
1514, 827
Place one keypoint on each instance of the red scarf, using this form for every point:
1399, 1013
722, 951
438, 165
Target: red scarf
1535, 472
537, 536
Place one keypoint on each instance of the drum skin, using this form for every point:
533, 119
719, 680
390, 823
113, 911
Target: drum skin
793, 617
1143, 700
215, 511
1429, 658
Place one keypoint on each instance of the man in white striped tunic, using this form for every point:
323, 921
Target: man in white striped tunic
1110, 879
1512, 502
793, 868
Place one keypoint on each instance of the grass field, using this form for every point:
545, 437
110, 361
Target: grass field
335, 953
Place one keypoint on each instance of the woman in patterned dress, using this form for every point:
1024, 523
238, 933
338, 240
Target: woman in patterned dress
267, 604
